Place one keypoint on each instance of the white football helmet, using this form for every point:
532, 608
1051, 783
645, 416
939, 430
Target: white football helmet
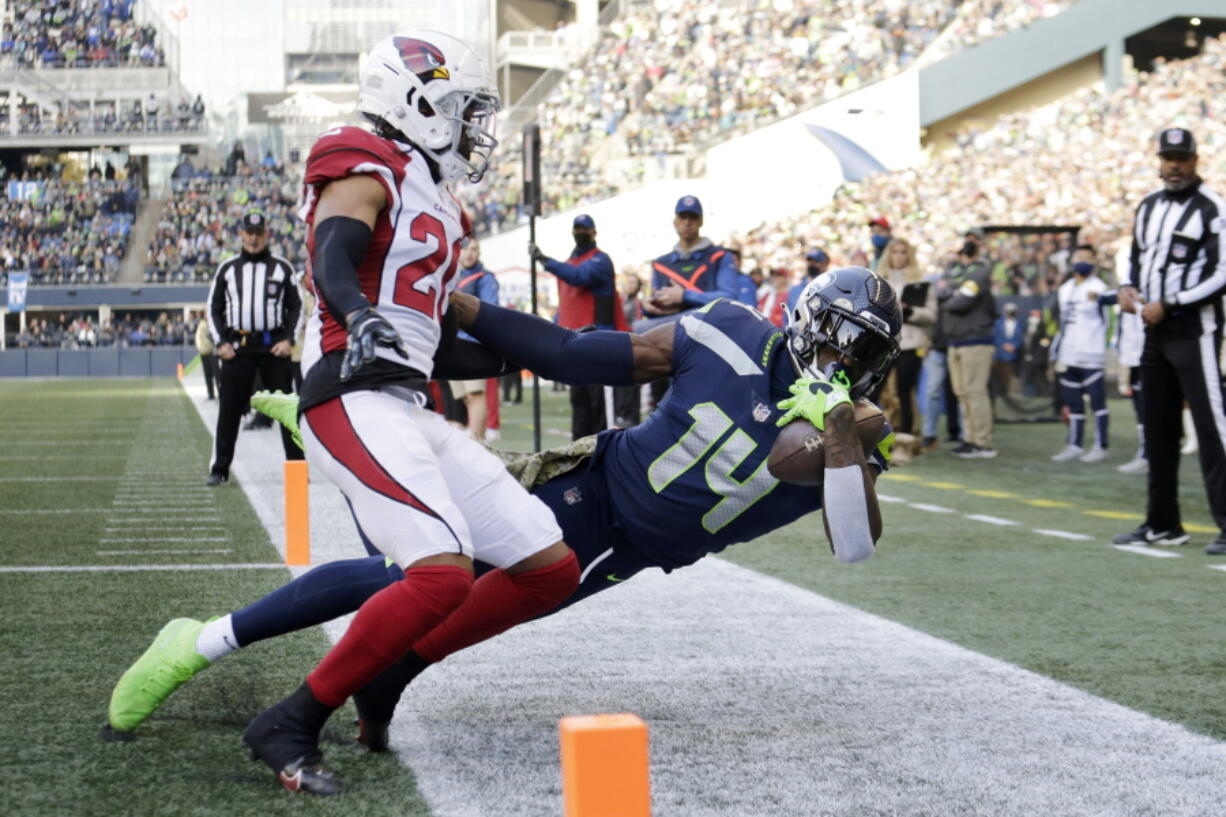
433, 89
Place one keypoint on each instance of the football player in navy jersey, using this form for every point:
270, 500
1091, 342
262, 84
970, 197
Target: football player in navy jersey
689, 481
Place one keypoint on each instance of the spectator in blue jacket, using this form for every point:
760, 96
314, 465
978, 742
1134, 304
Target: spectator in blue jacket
816, 262
696, 272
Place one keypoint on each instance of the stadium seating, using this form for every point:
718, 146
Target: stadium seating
86, 331
65, 232
197, 228
1086, 160
671, 77
77, 34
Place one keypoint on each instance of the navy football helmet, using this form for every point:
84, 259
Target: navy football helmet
855, 312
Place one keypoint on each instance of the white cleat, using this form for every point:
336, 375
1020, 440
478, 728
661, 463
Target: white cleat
1095, 454
1137, 465
1070, 452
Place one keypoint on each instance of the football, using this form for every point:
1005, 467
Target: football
799, 456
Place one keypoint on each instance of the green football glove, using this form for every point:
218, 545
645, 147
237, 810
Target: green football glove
813, 398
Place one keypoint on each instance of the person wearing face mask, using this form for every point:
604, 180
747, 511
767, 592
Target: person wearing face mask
816, 262
587, 296
967, 319
1080, 353
879, 235
1177, 277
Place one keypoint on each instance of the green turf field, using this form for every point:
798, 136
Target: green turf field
120, 465
106, 473
1144, 632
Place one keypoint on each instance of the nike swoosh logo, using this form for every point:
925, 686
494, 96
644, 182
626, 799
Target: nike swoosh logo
229, 643
613, 578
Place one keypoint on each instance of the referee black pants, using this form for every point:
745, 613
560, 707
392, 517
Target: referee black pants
237, 379
1173, 370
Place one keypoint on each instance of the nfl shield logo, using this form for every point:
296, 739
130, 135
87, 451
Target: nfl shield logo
761, 413
1179, 251
572, 496
272, 288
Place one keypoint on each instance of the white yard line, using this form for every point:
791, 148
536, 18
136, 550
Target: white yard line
159, 551
991, 520
135, 568
118, 540
53, 510
1153, 553
1063, 534
924, 506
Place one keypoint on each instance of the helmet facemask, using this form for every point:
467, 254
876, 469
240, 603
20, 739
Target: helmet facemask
471, 119
863, 340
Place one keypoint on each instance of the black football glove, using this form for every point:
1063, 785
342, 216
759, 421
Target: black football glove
367, 331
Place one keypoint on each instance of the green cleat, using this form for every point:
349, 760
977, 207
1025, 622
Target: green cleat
281, 407
169, 663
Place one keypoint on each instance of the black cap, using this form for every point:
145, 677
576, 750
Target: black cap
253, 221
1176, 140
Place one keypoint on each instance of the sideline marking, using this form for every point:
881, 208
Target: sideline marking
1145, 551
158, 539
1063, 534
60, 479
1116, 515
993, 494
924, 506
884, 498
135, 568
167, 528
1211, 567
1049, 503
163, 550
991, 520
56, 510
945, 486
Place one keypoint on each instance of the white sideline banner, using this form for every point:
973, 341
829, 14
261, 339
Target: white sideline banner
776, 172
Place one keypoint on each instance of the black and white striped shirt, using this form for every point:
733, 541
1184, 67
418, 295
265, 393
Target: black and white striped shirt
254, 293
1176, 256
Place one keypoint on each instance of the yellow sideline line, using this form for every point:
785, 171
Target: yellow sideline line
1039, 502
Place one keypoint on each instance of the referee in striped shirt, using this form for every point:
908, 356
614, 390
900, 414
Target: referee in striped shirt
253, 312
1177, 280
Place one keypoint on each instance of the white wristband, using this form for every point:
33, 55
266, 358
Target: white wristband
846, 509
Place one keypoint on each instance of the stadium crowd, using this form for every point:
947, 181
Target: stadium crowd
672, 76
66, 232
77, 34
86, 331
118, 116
1084, 160
196, 229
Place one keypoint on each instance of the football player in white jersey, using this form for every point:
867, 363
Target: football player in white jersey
384, 238
1080, 352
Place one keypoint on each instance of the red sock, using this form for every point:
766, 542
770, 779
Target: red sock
384, 628
499, 601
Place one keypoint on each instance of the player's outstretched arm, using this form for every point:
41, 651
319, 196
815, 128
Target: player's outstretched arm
849, 499
603, 357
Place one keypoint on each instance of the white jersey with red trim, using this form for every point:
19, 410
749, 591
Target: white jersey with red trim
409, 268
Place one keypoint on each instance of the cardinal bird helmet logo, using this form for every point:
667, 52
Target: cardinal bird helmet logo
422, 58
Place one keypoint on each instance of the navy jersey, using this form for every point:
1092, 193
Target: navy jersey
692, 479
